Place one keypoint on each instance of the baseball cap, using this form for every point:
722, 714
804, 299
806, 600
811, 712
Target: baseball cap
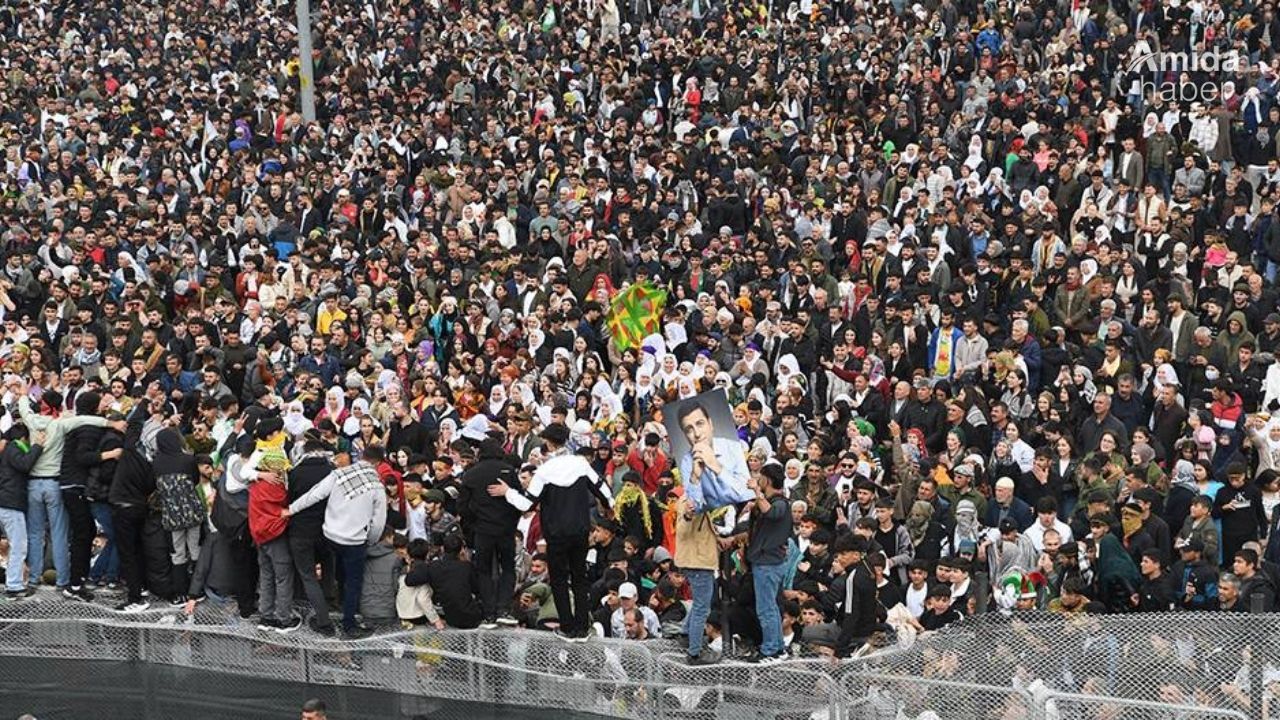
628, 590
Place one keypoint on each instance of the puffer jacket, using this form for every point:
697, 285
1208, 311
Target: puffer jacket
382, 571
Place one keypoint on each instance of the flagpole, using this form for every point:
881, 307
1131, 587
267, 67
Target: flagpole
306, 73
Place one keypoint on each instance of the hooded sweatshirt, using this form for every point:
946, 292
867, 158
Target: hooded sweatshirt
1231, 342
175, 473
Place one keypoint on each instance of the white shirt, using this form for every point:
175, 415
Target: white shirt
1036, 532
914, 599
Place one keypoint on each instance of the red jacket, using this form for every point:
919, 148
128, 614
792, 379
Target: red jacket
649, 474
266, 500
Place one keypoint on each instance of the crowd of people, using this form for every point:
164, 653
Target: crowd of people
990, 292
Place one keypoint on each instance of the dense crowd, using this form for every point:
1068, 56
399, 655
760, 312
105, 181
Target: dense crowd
990, 291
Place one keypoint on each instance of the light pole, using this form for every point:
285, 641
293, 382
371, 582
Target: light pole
306, 72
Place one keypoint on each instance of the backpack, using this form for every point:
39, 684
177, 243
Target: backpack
180, 505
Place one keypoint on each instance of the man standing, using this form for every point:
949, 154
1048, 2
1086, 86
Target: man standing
767, 554
564, 485
80, 458
698, 556
45, 510
353, 520
16, 461
306, 531
490, 522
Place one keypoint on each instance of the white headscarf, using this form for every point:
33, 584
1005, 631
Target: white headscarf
359, 408
787, 367
974, 160
497, 399
295, 419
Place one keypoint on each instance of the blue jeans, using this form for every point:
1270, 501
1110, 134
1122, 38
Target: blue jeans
45, 513
106, 567
703, 585
351, 572
767, 580
14, 524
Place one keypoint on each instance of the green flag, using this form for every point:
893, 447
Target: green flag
636, 313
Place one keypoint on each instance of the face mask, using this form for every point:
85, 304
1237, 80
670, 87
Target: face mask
1211, 374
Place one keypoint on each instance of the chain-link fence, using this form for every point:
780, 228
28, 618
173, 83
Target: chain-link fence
1038, 666
1083, 667
394, 675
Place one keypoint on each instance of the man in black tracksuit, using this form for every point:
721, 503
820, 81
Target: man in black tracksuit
306, 531
490, 523
566, 488
852, 597
80, 455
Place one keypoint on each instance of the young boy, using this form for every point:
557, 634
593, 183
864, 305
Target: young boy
268, 499
416, 605
938, 612
382, 570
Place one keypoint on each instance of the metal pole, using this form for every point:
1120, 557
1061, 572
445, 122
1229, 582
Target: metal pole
1255, 663
306, 72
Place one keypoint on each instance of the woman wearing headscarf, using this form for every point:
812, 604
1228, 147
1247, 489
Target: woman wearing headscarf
974, 160
496, 407
295, 420
1116, 578
969, 532
359, 410
335, 407
639, 514
667, 377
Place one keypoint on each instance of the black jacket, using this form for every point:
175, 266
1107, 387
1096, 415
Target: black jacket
454, 588
308, 473
852, 602
481, 513
80, 456
134, 480
98, 488
15, 469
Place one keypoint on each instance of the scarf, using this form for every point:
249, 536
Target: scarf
272, 457
88, 358
632, 494
1131, 522
918, 521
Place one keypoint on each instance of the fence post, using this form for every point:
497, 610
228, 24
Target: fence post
1256, 607
980, 585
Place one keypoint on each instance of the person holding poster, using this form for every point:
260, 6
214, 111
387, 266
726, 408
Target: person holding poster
712, 468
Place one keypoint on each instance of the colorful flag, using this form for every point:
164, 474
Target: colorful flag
636, 313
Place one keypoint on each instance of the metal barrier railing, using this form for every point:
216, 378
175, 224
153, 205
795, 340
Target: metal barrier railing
612, 678
1034, 667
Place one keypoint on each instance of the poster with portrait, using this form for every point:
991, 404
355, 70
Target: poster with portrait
707, 451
